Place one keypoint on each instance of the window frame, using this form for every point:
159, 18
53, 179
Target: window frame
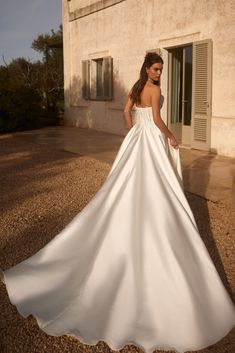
89, 79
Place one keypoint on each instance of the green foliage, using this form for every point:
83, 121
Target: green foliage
20, 109
21, 72
50, 45
55, 39
31, 93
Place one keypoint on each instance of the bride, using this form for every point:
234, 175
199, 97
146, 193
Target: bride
131, 267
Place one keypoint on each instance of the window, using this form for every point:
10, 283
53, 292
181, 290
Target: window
97, 79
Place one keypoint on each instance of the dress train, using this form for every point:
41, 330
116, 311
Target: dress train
131, 267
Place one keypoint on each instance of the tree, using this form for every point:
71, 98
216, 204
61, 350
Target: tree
50, 45
31, 93
21, 72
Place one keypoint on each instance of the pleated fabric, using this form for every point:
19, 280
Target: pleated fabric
131, 267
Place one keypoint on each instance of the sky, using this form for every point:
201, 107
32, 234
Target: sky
20, 23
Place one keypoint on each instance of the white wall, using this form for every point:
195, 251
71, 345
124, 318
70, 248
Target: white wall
125, 31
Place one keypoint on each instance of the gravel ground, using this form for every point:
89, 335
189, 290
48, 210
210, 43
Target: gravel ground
41, 191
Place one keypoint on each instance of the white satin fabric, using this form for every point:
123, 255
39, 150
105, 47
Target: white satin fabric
131, 267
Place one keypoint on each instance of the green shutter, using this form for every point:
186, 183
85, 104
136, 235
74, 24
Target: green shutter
201, 95
108, 78
86, 79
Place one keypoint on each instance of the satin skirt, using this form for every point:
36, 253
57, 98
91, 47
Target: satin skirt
131, 267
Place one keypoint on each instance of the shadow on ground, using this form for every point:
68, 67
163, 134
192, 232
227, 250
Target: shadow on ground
208, 228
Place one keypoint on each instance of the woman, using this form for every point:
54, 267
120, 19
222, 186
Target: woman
131, 266
147, 91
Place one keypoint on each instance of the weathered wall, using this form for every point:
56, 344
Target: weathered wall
223, 135
76, 4
125, 31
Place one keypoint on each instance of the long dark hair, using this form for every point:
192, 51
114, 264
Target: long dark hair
150, 59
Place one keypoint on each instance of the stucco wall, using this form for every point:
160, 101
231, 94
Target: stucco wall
223, 135
125, 31
77, 4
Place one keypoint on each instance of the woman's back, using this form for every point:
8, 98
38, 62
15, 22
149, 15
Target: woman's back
145, 96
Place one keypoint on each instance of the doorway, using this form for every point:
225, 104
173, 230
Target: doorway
180, 92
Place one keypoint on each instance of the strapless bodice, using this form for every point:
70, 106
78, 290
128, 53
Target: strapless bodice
143, 115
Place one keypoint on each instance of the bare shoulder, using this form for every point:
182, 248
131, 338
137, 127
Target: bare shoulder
155, 90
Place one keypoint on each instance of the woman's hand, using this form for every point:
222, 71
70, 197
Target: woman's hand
174, 142
155, 100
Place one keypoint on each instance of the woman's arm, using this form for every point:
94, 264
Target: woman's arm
127, 112
155, 100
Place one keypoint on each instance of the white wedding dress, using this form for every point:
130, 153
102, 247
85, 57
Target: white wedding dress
131, 267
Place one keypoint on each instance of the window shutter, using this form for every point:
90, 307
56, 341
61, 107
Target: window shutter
201, 94
93, 79
86, 79
108, 78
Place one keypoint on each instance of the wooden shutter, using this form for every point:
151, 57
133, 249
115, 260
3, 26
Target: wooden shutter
108, 78
93, 79
201, 95
86, 79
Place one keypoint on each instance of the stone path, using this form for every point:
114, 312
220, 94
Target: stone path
205, 174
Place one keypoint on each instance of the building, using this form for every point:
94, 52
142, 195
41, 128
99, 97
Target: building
105, 43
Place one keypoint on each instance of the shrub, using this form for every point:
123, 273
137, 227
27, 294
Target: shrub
20, 109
